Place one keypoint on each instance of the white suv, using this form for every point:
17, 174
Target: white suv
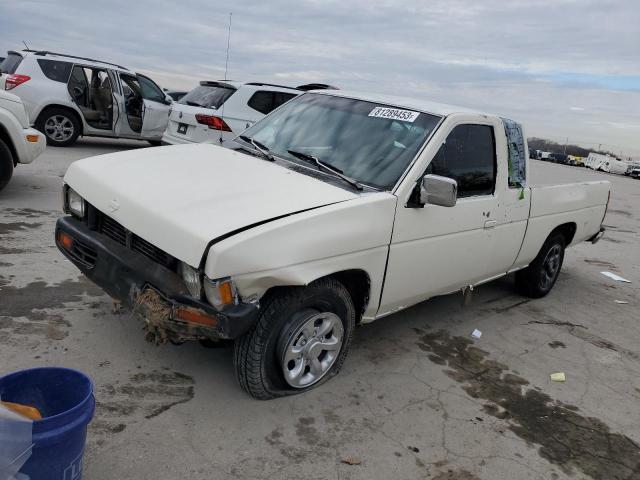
18, 142
68, 96
215, 111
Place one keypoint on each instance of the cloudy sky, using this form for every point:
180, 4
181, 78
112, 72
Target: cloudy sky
565, 68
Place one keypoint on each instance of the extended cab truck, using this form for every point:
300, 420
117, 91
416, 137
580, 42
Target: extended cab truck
336, 209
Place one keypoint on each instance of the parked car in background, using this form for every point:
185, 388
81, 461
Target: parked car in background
175, 95
338, 208
631, 167
67, 96
215, 111
558, 158
19, 143
635, 172
544, 155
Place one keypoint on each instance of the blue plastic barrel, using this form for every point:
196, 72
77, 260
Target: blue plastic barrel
65, 400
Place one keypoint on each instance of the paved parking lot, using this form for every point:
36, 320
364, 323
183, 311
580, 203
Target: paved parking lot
418, 397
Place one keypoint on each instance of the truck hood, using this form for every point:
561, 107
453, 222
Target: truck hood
179, 198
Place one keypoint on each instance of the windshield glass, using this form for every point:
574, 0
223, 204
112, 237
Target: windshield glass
207, 96
369, 142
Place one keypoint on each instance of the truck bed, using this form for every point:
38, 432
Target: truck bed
582, 204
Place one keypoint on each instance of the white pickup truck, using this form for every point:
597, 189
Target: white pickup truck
338, 208
19, 143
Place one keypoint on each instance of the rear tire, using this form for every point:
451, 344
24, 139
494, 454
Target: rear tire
60, 126
300, 341
6, 164
154, 143
540, 276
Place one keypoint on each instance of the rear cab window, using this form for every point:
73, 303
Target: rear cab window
208, 95
267, 101
55, 69
11, 63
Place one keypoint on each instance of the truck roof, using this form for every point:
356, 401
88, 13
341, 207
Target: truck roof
425, 106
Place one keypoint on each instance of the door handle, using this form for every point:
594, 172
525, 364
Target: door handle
490, 223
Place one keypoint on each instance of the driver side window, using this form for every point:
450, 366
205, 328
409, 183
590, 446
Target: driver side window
468, 155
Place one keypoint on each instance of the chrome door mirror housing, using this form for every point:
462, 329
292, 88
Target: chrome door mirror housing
438, 190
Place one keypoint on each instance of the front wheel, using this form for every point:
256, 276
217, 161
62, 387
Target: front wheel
6, 164
540, 276
300, 340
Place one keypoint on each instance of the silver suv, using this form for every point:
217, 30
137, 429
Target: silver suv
68, 96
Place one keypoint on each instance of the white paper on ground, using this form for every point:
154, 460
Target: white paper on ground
476, 333
621, 302
615, 277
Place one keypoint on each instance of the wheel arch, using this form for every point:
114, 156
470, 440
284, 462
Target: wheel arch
356, 281
568, 231
73, 111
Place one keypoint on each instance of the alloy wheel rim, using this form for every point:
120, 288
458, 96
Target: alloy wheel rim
58, 128
550, 266
312, 350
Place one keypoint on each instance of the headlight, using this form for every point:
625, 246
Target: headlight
220, 292
191, 279
75, 203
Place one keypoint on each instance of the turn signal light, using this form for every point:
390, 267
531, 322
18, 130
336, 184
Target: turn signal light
194, 315
213, 122
14, 80
33, 138
65, 240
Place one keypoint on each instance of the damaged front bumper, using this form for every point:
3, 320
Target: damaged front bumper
155, 292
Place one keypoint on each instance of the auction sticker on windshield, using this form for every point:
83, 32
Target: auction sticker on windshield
394, 114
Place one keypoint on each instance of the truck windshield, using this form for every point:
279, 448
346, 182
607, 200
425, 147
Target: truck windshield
369, 142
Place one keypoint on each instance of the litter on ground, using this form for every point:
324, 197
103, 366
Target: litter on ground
621, 302
476, 333
615, 277
558, 377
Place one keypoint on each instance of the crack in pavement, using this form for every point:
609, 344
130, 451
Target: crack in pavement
564, 437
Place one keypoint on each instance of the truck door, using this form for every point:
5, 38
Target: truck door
514, 197
155, 109
436, 250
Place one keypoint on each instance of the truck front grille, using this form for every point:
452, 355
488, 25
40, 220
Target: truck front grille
116, 232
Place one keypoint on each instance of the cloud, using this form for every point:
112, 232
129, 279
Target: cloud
533, 60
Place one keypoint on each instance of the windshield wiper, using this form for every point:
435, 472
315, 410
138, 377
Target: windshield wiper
327, 166
193, 104
264, 151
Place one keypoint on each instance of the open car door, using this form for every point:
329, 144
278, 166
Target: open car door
155, 109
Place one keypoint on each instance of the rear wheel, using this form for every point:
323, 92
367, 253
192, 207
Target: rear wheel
59, 125
6, 164
540, 276
154, 143
299, 341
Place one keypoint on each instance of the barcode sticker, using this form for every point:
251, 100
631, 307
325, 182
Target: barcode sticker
394, 114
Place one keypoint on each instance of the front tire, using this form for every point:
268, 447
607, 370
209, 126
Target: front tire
301, 338
540, 276
6, 164
60, 126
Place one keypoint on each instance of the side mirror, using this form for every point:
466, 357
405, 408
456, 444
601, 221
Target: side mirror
438, 190
168, 100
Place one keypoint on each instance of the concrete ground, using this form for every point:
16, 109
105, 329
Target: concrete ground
418, 397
